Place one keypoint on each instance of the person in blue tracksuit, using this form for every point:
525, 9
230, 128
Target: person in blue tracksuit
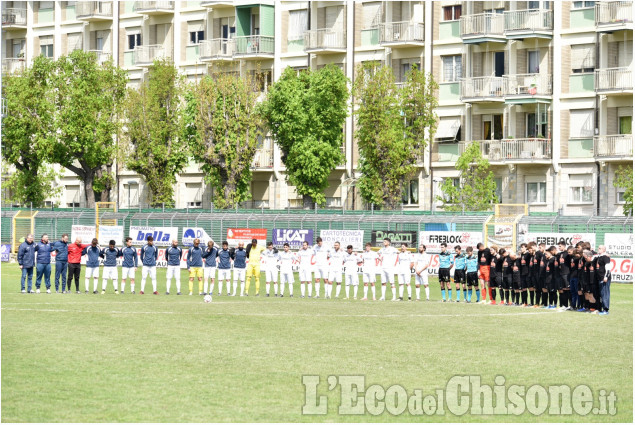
195, 265
224, 267
149, 255
239, 255
43, 260
445, 264
110, 256
173, 256
459, 273
92, 253
26, 260
210, 254
61, 262
129, 265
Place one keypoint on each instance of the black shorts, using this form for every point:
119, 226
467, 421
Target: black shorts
524, 281
507, 282
564, 282
537, 282
496, 281
444, 275
459, 276
472, 279
516, 282
551, 283
590, 288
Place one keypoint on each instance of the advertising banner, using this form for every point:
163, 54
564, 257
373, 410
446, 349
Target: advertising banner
162, 235
344, 237
433, 240
555, 238
5, 252
191, 233
108, 233
294, 237
234, 236
396, 238
86, 233
622, 270
619, 244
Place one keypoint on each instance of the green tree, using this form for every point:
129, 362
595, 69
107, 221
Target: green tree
477, 188
394, 125
624, 180
305, 113
27, 133
88, 100
154, 114
224, 131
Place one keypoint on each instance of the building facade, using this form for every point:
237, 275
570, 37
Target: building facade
544, 87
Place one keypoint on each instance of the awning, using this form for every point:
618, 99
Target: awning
448, 128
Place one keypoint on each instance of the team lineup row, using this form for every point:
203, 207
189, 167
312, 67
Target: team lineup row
574, 274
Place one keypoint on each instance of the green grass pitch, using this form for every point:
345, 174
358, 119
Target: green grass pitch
132, 358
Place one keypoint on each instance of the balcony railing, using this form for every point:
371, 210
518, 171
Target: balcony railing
145, 55
263, 159
217, 3
13, 17
613, 79
12, 65
153, 6
620, 145
482, 25
254, 204
102, 56
528, 85
528, 20
610, 13
218, 48
401, 32
256, 45
482, 87
324, 39
528, 149
93, 9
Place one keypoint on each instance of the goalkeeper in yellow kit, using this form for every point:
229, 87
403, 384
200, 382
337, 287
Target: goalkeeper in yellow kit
253, 267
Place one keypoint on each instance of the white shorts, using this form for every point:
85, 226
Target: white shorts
209, 272
369, 277
174, 272
149, 270
271, 275
92, 272
404, 278
127, 272
305, 275
286, 277
351, 279
388, 276
321, 273
110, 272
335, 276
224, 274
239, 275
422, 279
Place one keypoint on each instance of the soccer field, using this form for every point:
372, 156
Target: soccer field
132, 358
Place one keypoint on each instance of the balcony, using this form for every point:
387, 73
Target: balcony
529, 150
614, 80
13, 19
401, 34
325, 41
263, 159
217, 4
145, 55
527, 88
218, 49
616, 146
102, 57
520, 24
93, 11
12, 66
482, 89
614, 15
154, 7
254, 47
482, 28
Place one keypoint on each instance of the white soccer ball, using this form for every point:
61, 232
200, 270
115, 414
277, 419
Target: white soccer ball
207, 298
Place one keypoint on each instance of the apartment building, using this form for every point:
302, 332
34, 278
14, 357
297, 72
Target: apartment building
544, 87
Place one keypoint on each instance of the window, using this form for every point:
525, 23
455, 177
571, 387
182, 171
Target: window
255, 24
583, 4
533, 61
410, 193
46, 46
134, 40
452, 68
196, 31
47, 4
456, 182
370, 12
580, 188
406, 67
449, 129
536, 193
452, 13
298, 24
75, 41
582, 58
193, 194
197, 36
626, 125
619, 195
534, 128
581, 123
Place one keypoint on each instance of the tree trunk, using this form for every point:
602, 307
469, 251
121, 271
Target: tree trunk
88, 189
307, 202
229, 191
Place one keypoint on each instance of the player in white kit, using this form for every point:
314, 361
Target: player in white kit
351, 277
305, 256
369, 270
336, 257
321, 255
388, 258
287, 258
422, 263
270, 258
404, 269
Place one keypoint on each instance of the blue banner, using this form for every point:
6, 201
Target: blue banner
294, 237
5, 253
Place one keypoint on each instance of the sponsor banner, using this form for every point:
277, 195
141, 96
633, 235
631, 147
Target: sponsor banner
433, 240
396, 238
344, 237
294, 237
622, 270
86, 233
502, 236
555, 238
162, 235
191, 233
619, 244
234, 236
5, 252
108, 233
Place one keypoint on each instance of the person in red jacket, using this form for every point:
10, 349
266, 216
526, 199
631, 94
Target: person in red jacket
75, 262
